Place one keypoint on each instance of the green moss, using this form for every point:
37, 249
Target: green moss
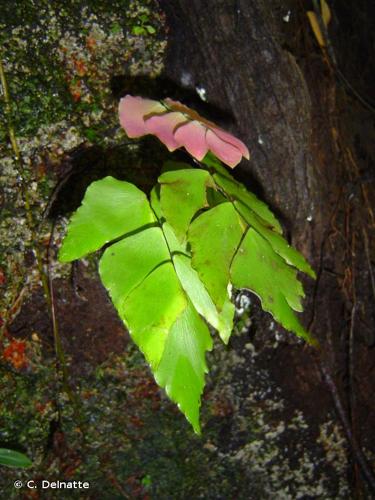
24, 396
60, 56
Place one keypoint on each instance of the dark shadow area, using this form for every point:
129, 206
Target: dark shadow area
162, 87
353, 38
253, 184
89, 344
136, 162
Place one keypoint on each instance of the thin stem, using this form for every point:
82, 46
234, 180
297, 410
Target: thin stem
45, 277
19, 163
25, 195
329, 52
356, 449
20, 167
57, 339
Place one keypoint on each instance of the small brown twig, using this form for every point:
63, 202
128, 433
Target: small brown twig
60, 355
44, 275
20, 167
358, 455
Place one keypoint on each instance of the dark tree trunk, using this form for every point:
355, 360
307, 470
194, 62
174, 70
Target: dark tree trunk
286, 100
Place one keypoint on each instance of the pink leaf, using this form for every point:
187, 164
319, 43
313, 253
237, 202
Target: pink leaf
131, 113
177, 126
225, 136
178, 106
226, 152
163, 127
190, 113
193, 137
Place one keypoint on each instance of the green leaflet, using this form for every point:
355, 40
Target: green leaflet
182, 194
151, 300
110, 209
144, 251
214, 237
238, 191
174, 165
257, 267
13, 458
215, 197
279, 245
214, 164
151, 309
182, 367
250, 262
222, 320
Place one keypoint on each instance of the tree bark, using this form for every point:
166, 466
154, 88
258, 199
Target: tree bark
285, 100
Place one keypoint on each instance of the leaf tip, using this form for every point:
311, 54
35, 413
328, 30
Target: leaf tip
194, 422
312, 273
314, 342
